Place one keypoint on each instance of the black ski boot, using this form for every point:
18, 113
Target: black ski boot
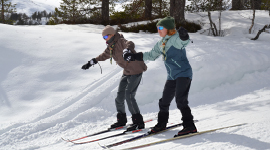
138, 122
188, 123
162, 122
187, 130
121, 120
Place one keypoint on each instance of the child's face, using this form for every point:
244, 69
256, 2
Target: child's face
162, 31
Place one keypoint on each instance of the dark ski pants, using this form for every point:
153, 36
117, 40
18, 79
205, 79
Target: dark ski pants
126, 91
179, 89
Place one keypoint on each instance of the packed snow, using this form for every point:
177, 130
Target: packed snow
45, 95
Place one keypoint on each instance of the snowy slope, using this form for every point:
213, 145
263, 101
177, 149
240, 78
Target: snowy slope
30, 6
44, 95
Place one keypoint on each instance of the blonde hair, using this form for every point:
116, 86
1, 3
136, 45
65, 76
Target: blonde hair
171, 32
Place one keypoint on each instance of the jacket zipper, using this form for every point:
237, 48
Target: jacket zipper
176, 63
169, 71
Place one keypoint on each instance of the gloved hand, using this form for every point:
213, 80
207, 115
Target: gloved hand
183, 34
93, 61
89, 64
128, 56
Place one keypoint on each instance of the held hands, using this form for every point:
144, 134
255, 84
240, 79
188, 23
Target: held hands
183, 34
89, 64
127, 55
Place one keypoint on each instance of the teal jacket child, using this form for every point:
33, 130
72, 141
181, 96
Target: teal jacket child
176, 61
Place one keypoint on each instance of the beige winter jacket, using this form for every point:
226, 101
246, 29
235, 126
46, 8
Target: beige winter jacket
131, 67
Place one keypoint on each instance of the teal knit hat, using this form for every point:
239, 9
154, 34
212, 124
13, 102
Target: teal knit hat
167, 22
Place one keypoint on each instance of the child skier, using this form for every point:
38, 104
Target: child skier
172, 48
130, 80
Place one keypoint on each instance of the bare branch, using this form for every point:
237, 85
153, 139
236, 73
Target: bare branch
259, 33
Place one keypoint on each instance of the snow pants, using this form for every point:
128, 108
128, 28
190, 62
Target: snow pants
179, 89
126, 91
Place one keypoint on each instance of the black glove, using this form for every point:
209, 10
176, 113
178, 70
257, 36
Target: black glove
128, 56
93, 61
89, 64
183, 34
138, 56
86, 66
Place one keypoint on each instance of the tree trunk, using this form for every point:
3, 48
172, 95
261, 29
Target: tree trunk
2, 12
160, 8
172, 4
105, 11
252, 21
259, 33
73, 13
219, 20
148, 9
212, 24
237, 5
178, 10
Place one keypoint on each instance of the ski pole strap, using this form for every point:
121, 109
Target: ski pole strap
163, 49
111, 51
100, 68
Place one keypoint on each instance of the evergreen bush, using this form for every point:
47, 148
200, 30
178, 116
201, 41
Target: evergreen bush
151, 27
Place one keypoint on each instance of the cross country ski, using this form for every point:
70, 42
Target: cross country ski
104, 131
177, 137
143, 136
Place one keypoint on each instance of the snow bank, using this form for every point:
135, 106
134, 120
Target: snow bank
44, 94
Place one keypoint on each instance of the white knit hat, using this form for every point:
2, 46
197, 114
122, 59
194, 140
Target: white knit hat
108, 30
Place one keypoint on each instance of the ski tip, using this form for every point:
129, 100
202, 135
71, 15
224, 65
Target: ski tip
104, 147
67, 140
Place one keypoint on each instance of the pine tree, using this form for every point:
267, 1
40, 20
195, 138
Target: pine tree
256, 4
161, 8
237, 5
34, 16
68, 11
6, 8
266, 5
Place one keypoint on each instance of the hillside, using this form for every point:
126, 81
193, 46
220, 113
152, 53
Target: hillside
45, 95
30, 6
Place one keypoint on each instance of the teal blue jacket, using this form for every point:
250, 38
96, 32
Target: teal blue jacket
176, 62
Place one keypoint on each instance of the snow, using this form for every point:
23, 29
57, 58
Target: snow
30, 6
45, 95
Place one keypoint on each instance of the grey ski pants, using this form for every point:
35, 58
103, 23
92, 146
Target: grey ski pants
126, 91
